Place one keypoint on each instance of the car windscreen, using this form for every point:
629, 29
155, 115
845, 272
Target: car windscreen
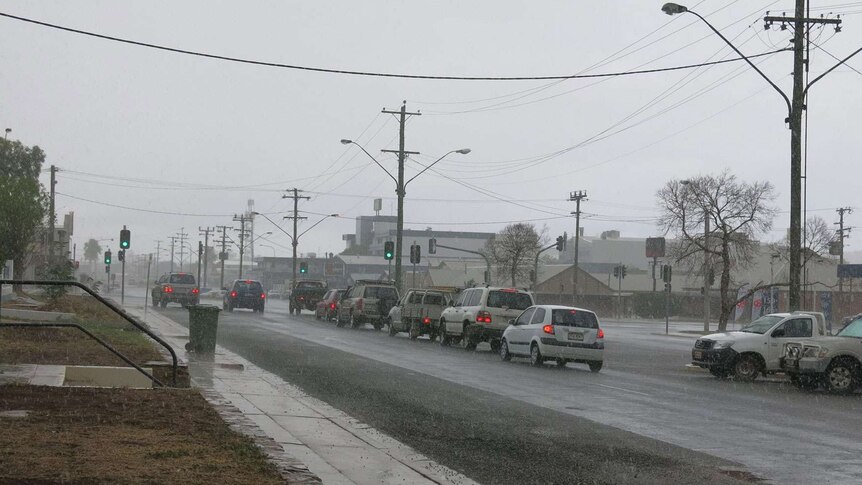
853, 329
182, 279
762, 324
248, 286
574, 318
381, 292
510, 299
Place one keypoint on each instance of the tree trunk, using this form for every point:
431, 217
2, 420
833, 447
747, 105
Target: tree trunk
727, 303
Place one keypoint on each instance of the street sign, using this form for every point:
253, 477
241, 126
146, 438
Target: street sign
655, 247
850, 270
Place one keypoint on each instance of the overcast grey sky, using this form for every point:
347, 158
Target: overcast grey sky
201, 136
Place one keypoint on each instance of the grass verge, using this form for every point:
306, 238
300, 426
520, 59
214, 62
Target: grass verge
87, 435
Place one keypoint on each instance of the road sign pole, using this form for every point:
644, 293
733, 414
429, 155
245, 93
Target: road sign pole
123, 282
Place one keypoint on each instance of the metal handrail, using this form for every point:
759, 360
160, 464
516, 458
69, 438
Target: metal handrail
91, 335
119, 311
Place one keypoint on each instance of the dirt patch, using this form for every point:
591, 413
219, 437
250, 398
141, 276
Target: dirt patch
68, 346
85, 435
86, 309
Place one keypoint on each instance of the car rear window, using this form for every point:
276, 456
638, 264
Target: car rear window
248, 286
381, 292
182, 279
309, 284
574, 318
511, 299
433, 299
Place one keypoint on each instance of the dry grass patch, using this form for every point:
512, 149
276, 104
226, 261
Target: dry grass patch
86, 435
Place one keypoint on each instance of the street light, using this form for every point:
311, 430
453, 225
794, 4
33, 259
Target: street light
795, 107
8, 130
400, 191
294, 239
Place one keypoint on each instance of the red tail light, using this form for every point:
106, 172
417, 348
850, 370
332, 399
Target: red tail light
359, 304
426, 321
169, 289
233, 294
483, 317
548, 329
601, 334
263, 296
332, 306
195, 291
301, 298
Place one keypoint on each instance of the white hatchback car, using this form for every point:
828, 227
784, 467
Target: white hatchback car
552, 332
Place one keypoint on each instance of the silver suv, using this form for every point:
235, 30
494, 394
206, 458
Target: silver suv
367, 301
481, 315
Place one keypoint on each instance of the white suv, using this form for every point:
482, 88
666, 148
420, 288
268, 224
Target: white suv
551, 332
481, 315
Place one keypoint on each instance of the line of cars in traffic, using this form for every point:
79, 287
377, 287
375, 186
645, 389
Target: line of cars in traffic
798, 344
508, 319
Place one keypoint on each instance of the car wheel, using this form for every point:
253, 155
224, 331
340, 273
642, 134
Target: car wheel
163, 303
469, 344
392, 331
316, 315
414, 331
495, 345
378, 325
746, 368
505, 356
562, 362
230, 307
719, 372
261, 309
445, 340
595, 365
339, 322
155, 303
354, 322
536, 358
842, 376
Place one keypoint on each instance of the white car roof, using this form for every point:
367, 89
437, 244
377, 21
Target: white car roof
563, 307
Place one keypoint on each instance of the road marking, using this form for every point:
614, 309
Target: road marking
623, 389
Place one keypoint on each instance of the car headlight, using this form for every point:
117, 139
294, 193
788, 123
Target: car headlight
814, 351
722, 345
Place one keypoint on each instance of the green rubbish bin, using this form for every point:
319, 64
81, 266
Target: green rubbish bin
203, 327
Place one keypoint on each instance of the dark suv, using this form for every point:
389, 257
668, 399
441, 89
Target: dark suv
245, 294
368, 301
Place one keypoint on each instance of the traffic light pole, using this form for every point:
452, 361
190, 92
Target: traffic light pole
487, 261
536, 263
123, 281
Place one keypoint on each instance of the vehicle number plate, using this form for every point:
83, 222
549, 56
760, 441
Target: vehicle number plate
576, 336
698, 354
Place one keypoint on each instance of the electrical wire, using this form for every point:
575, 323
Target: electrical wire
345, 71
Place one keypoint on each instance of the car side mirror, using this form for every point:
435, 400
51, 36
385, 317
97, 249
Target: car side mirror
778, 333
512, 322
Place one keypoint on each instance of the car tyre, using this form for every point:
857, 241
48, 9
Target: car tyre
505, 356
561, 362
746, 368
469, 344
155, 303
842, 376
414, 331
354, 322
392, 331
339, 322
536, 359
261, 309
163, 303
595, 365
495, 345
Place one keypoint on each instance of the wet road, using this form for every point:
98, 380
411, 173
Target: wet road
492, 413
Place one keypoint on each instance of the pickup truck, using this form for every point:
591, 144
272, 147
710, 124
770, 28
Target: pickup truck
758, 347
306, 295
175, 288
834, 361
418, 313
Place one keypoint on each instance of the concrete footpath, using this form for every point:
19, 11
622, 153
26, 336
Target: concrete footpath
309, 440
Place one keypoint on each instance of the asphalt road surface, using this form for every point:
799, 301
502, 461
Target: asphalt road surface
645, 418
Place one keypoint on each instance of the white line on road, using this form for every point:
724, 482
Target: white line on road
624, 389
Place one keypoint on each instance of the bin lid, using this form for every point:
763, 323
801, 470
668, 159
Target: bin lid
204, 308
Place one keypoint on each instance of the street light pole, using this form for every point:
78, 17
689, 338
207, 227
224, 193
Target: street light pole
795, 108
400, 186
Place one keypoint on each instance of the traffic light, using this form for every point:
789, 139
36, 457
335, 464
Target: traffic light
560, 243
121, 255
303, 268
432, 246
415, 254
108, 257
616, 271
623, 269
125, 238
666, 273
388, 250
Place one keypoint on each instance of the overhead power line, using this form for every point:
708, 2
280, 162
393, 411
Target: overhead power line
368, 73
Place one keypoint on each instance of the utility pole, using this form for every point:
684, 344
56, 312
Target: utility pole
241, 219
577, 197
173, 242
206, 233
52, 216
223, 254
200, 252
841, 236
294, 241
158, 252
399, 190
707, 269
183, 235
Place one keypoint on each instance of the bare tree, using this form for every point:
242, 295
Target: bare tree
513, 249
738, 213
818, 236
